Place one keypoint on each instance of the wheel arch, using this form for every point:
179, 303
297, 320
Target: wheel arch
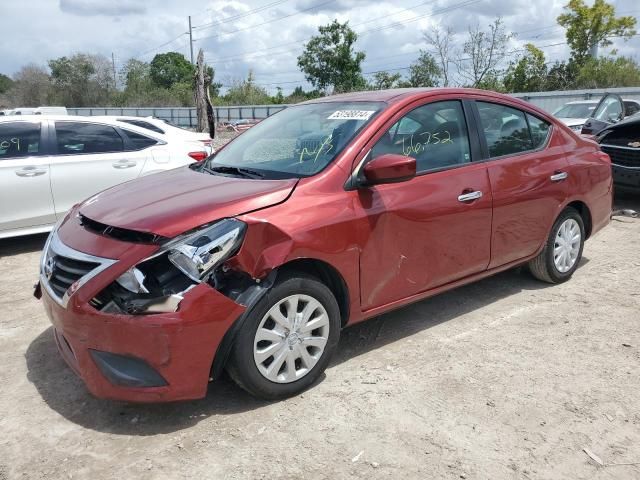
323, 271
585, 214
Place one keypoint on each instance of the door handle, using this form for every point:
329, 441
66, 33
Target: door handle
123, 164
30, 172
559, 176
468, 197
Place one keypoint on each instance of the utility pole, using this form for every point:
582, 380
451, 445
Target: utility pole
191, 39
113, 64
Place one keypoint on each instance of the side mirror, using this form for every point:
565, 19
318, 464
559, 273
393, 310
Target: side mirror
389, 168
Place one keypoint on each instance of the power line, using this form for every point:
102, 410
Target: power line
160, 46
240, 15
265, 23
364, 32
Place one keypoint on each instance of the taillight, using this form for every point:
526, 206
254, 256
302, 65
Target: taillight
198, 156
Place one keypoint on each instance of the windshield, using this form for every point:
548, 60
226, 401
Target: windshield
576, 110
298, 141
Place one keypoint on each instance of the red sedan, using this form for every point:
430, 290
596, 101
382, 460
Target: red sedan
321, 216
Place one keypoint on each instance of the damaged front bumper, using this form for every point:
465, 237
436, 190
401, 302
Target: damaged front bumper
121, 355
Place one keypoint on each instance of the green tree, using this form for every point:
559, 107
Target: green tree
5, 83
424, 72
384, 80
81, 80
329, 59
561, 76
279, 97
588, 27
607, 72
246, 92
529, 73
169, 68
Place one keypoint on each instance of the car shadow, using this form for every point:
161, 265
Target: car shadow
65, 393
25, 244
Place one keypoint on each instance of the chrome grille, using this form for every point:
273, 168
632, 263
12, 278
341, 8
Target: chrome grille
61, 267
623, 156
66, 271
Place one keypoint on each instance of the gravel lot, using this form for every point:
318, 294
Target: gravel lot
507, 378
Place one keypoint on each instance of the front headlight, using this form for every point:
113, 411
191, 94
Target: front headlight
576, 128
200, 253
196, 254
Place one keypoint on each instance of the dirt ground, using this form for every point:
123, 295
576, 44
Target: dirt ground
504, 379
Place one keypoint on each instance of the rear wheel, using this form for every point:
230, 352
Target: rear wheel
287, 339
562, 252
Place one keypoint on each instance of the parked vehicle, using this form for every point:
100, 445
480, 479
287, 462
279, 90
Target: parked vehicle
36, 111
50, 163
611, 109
254, 260
51, 111
575, 114
163, 127
621, 140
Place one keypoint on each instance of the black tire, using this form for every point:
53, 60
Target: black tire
241, 365
543, 266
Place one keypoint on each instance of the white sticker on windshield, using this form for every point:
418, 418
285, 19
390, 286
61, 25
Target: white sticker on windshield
351, 115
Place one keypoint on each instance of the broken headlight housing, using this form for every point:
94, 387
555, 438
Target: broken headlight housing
157, 284
200, 253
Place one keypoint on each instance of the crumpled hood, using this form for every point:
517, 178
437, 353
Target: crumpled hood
175, 201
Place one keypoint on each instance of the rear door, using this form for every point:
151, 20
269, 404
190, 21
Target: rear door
527, 168
90, 157
25, 191
435, 228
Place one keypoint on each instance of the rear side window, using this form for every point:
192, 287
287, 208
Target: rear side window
80, 138
139, 142
539, 130
19, 139
505, 129
434, 134
142, 124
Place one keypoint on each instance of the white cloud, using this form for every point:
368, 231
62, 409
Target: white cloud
242, 42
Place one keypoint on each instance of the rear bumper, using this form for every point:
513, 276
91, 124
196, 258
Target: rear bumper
145, 358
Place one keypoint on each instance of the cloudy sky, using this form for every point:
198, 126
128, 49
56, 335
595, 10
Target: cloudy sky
266, 35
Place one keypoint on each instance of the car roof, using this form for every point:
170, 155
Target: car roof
399, 94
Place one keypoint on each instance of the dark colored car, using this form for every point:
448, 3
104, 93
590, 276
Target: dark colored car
610, 110
254, 260
621, 141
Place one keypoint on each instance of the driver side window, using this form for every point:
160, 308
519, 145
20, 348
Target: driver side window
434, 134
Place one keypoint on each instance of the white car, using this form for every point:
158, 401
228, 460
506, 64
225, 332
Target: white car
575, 114
50, 163
163, 127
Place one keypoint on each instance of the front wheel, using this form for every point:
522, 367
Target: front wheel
562, 252
287, 339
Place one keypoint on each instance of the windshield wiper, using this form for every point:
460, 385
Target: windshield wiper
243, 172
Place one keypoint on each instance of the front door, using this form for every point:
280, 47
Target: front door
435, 228
25, 191
527, 168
